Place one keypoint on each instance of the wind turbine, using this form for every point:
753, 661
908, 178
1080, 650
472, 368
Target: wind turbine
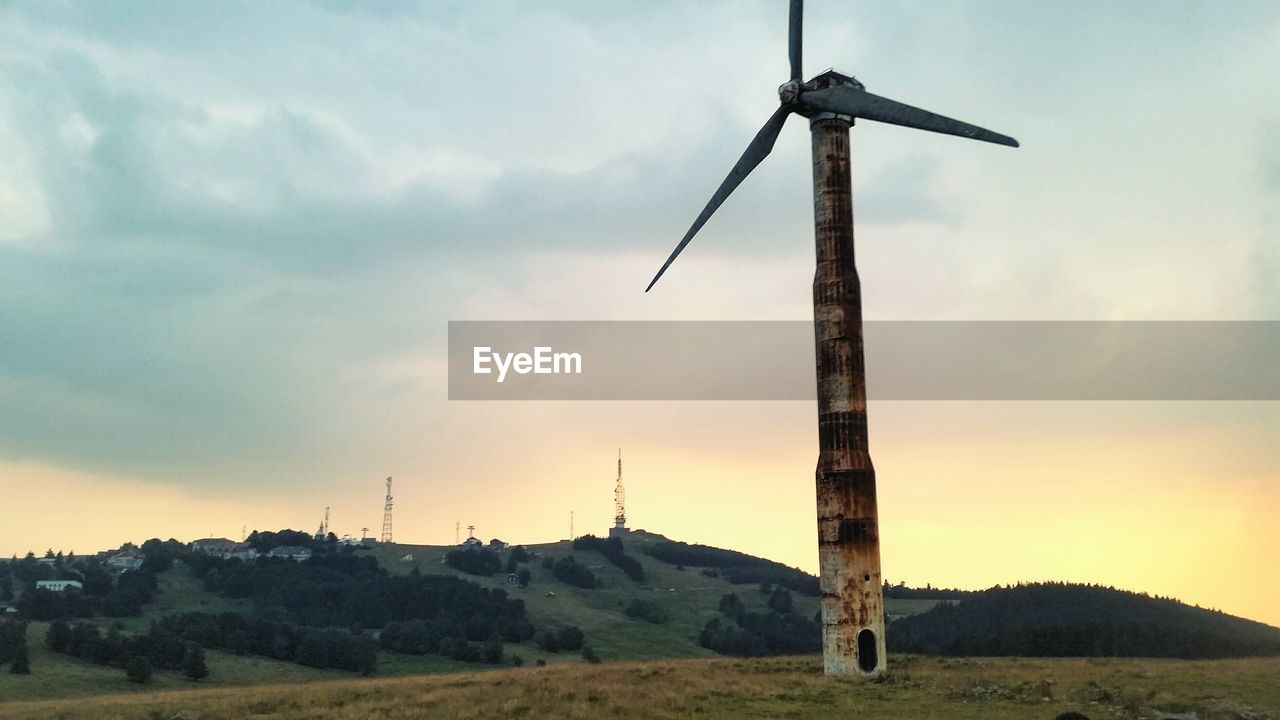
848, 528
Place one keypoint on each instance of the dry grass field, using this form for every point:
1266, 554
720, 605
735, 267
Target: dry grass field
917, 688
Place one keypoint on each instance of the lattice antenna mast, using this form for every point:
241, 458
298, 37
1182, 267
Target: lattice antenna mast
619, 498
386, 516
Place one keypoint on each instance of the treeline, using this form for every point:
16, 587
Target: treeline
418, 614
738, 568
474, 637
137, 655
474, 560
177, 642
422, 637
570, 571
1069, 620
928, 592
314, 647
744, 633
344, 589
99, 594
647, 610
267, 540
613, 551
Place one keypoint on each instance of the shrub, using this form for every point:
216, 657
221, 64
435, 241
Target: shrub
21, 661
569, 571
493, 650
613, 552
193, 662
590, 655
780, 601
571, 638
313, 651
138, 669
647, 610
549, 641
474, 560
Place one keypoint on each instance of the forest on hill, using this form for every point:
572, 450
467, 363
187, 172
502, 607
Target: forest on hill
351, 607
1071, 620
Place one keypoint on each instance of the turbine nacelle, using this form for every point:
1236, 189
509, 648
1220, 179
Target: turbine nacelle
791, 93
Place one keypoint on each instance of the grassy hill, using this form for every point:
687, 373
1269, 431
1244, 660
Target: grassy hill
790, 687
690, 596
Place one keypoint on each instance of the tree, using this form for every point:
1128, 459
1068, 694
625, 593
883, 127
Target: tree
57, 637
571, 638
313, 651
549, 641
21, 662
474, 560
364, 651
589, 654
193, 662
138, 669
523, 576
731, 605
780, 601
493, 649
569, 571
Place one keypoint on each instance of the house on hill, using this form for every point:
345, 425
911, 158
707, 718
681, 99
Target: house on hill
59, 585
125, 560
224, 548
220, 547
291, 552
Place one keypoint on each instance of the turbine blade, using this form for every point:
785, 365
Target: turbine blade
848, 100
796, 37
756, 152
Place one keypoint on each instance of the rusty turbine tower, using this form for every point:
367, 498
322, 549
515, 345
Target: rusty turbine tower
848, 529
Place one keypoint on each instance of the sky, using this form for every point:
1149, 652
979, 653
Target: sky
232, 236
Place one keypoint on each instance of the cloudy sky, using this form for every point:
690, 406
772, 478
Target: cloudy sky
231, 237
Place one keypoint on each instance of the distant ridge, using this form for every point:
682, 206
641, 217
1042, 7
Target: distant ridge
1066, 620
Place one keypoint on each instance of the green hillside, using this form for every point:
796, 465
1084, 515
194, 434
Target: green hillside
383, 591
688, 598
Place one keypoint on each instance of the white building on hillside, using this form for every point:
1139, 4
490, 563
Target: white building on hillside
293, 552
59, 585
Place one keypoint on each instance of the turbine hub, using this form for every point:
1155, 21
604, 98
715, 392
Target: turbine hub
789, 92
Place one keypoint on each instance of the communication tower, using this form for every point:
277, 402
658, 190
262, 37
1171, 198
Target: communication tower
386, 517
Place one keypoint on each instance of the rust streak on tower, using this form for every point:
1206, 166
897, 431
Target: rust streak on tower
848, 534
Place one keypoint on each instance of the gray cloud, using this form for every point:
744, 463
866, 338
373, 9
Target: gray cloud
225, 213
